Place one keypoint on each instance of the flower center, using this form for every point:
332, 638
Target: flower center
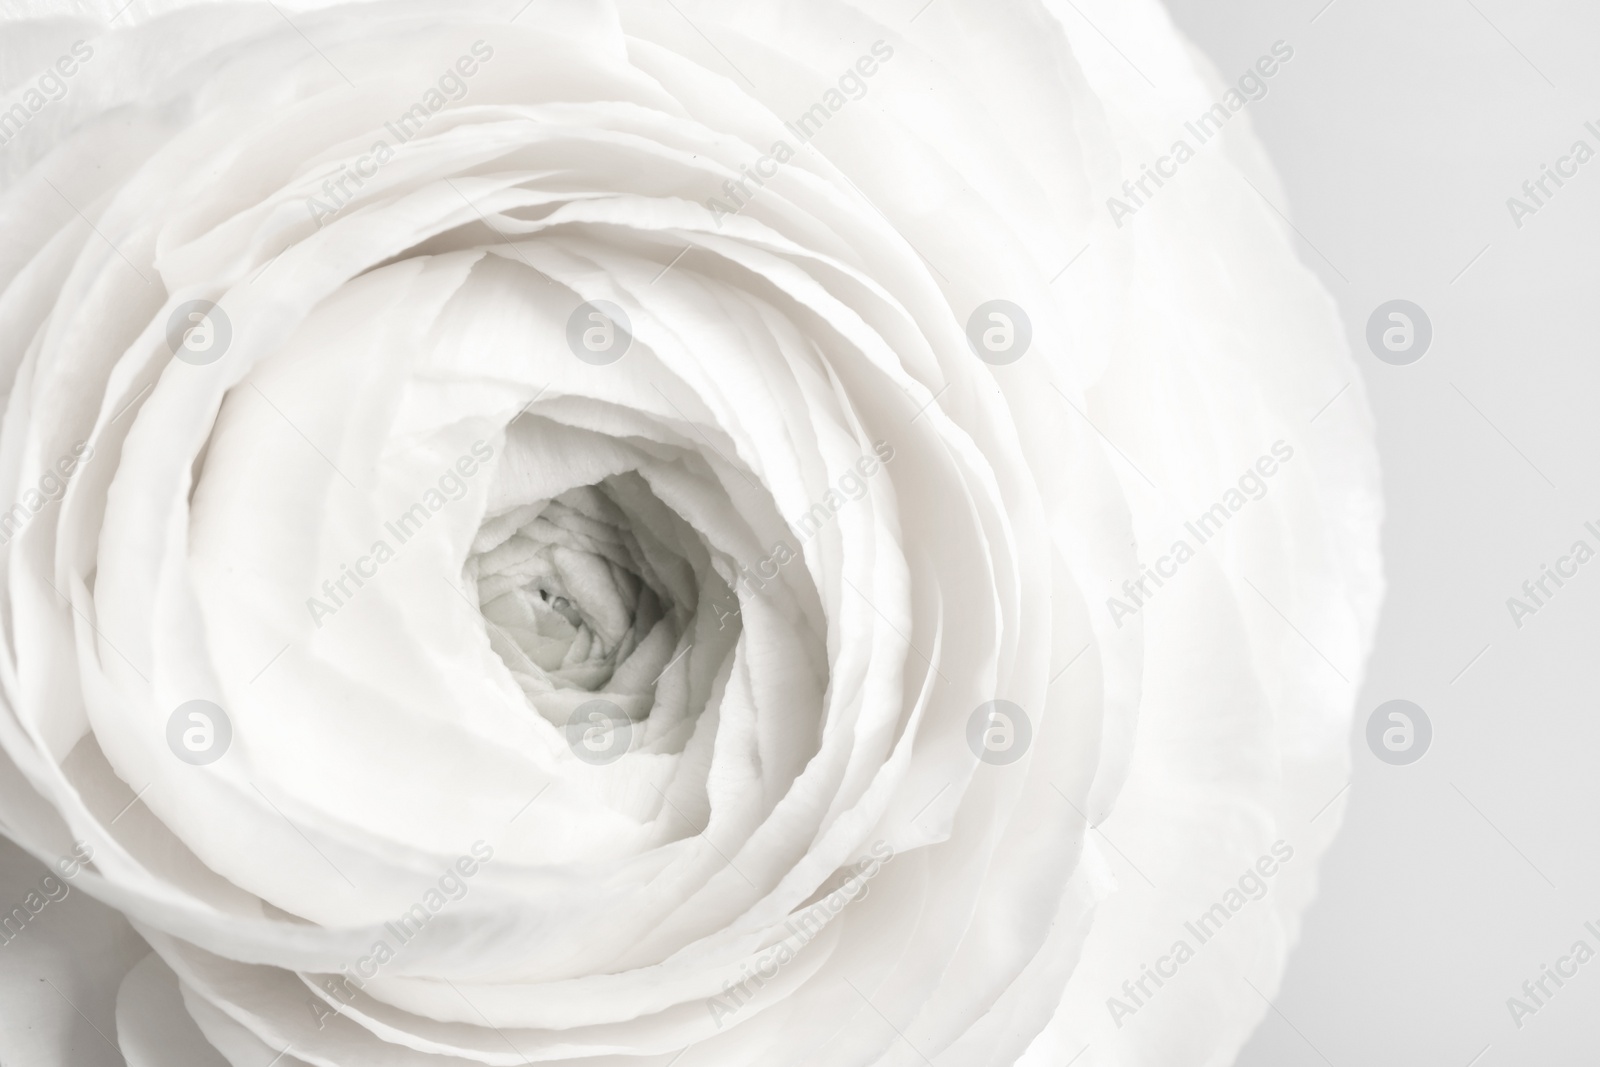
574, 600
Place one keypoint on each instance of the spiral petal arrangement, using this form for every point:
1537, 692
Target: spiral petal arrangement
587, 532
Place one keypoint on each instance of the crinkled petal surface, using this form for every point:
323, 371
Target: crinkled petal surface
528, 547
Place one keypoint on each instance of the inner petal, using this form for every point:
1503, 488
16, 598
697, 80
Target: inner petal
574, 600
567, 590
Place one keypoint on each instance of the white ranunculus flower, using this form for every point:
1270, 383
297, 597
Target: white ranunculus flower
645, 533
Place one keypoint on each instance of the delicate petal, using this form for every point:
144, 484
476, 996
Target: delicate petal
532, 544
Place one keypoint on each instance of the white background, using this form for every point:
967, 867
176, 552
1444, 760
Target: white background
1399, 130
